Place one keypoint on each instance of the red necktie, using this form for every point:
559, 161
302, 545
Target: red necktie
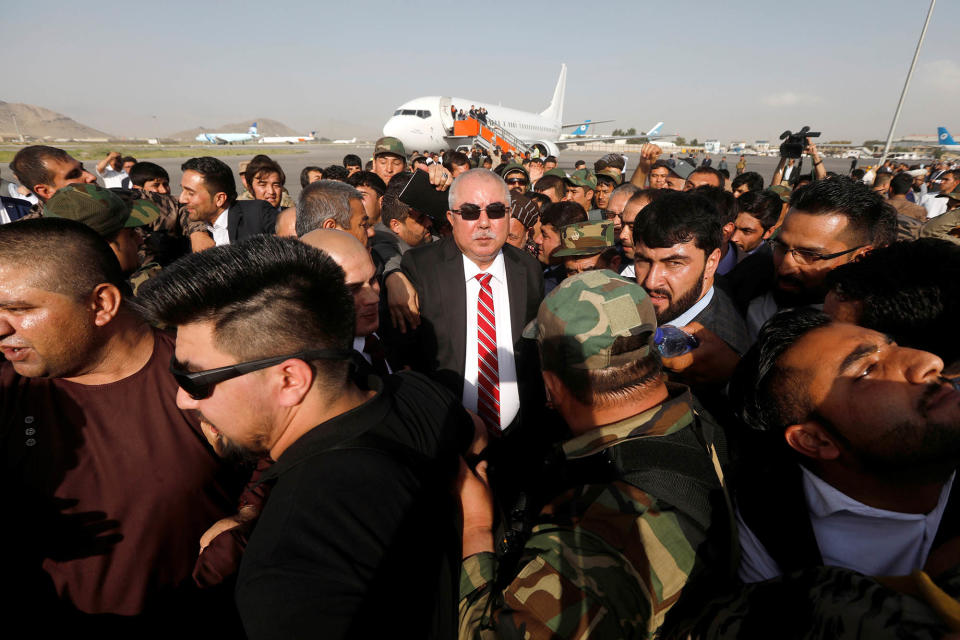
488, 371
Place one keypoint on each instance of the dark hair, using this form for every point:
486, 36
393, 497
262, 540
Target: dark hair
266, 296
263, 164
551, 182
901, 183
392, 207
29, 164
909, 290
579, 163
560, 214
550, 159
765, 206
143, 172
455, 158
710, 171
305, 175
65, 256
335, 172
614, 160
857, 174
752, 179
352, 160
367, 179
723, 201
322, 200
603, 386
869, 218
126, 159
772, 397
679, 217
538, 198
217, 176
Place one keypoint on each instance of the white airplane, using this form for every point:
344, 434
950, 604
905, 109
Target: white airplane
946, 141
352, 140
229, 138
427, 123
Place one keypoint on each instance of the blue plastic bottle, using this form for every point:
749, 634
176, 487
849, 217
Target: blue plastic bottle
672, 342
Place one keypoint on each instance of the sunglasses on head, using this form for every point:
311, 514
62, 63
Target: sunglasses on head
470, 211
199, 384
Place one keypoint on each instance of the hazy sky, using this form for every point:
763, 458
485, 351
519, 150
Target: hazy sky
727, 70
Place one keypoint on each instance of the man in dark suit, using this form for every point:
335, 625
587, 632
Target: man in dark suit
210, 195
676, 246
470, 345
753, 275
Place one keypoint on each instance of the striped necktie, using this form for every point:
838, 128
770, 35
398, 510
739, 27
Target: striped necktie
488, 370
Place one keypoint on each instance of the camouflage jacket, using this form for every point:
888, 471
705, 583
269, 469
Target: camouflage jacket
602, 561
946, 226
173, 219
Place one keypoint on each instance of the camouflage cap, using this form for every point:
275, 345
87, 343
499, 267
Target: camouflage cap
99, 208
580, 321
585, 238
612, 173
583, 178
782, 191
389, 145
556, 171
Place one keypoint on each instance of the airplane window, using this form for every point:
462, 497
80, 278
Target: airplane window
423, 114
409, 112
397, 112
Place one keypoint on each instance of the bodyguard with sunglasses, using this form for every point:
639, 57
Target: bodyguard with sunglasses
829, 223
358, 533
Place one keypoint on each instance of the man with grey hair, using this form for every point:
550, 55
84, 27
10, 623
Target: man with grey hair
476, 295
329, 204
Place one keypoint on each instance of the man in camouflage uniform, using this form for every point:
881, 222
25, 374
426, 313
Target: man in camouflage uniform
628, 541
116, 221
587, 246
946, 226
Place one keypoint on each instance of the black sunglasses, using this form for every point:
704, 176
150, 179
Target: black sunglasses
470, 211
200, 384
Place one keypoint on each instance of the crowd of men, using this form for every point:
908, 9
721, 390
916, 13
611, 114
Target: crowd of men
434, 397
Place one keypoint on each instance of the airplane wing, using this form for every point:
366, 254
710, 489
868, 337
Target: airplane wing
580, 124
563, 143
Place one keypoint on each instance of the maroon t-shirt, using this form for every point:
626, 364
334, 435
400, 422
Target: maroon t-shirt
115, 483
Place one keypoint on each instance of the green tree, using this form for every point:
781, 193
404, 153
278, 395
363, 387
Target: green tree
680, 141
694, 142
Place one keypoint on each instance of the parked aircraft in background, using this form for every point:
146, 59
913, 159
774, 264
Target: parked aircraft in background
352, 140
946, 141
229, 138
427, 123
288, 139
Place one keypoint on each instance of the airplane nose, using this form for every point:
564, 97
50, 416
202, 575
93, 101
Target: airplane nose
392, 128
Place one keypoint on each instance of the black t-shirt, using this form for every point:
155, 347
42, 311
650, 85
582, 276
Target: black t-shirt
359, 536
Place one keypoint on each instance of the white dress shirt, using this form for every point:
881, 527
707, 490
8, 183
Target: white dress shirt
852, 535
509, 394
687, 316
221, 235
113, 179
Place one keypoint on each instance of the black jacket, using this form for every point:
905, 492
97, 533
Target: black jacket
250, 217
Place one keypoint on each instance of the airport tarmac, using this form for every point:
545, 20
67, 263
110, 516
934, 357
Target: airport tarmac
323, 155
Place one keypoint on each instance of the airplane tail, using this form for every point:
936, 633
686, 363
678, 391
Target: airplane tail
944, 137
582, 129
656, 129
555, 110
253, 129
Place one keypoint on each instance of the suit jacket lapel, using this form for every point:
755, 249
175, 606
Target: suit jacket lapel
454, 298
233, 222
516, 293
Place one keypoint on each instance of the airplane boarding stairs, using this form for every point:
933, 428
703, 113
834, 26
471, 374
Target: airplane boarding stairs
486, 135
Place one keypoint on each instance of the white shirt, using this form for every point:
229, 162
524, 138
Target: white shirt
629, 271
509, 394
221, 235
113, 179
852, 535
359, 342
687, 316
935, 206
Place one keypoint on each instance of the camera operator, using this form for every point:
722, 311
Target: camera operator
794, 147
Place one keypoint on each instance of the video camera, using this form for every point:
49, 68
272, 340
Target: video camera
795, 143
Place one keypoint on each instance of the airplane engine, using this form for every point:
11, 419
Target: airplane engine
546, 148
